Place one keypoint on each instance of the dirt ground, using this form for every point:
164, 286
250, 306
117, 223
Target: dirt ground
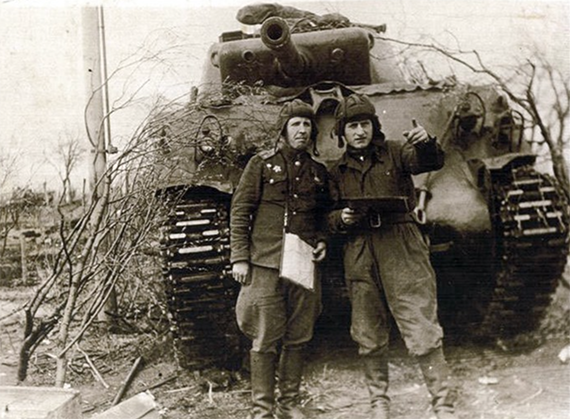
506, 380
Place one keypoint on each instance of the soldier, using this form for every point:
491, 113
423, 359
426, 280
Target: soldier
386, 260
280, 188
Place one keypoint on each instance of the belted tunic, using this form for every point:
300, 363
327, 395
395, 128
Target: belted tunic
387, 269
274, 182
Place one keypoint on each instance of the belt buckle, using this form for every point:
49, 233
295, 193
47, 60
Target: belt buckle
375, 220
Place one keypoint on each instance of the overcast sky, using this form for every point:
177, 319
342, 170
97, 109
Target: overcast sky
41, 54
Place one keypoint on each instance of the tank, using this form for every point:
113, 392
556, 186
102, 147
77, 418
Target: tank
497, 227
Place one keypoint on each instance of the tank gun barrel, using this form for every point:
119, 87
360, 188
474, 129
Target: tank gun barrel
275, 35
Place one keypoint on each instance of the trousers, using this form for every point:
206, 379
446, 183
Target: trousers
388, 271
271, 310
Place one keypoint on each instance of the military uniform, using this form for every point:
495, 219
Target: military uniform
271, 309
280, 190
389, 263
386, 258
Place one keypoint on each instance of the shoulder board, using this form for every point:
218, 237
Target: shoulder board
267, 154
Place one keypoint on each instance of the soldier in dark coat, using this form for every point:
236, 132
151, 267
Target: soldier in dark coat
280, 190
386, 257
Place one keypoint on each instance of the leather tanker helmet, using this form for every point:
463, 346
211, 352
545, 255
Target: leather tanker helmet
297, 107
357, 107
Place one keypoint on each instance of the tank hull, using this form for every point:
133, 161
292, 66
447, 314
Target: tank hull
497, 228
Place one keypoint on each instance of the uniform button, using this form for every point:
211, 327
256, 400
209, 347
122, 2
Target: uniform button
271, 181
297, 178
294, 212
295, 195
297, 163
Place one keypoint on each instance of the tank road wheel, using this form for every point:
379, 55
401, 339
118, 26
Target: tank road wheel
201, 293
530, 217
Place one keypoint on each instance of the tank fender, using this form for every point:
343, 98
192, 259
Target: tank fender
482, 168
508, 160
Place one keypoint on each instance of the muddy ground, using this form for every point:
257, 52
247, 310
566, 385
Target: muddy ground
504, 380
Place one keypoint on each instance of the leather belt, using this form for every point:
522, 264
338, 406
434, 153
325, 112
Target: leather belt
375, 220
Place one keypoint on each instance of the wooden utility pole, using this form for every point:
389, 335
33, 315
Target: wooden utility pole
97, 117
94, 109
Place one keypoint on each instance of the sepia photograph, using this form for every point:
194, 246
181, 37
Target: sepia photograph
236, 209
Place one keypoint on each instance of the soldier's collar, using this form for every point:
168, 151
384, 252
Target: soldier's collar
380, 149
360, 153
290, 153
375, 150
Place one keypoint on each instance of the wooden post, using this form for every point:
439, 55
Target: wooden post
94, 112
46, 196
23, 258
96, 119
83, 196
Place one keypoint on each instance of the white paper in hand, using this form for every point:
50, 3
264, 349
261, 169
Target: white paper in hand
297, 263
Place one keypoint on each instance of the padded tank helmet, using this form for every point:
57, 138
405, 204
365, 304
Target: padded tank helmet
357, 107
297, 107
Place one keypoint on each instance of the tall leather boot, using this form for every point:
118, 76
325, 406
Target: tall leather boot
437, 376
289, 374
376, 376
262, 384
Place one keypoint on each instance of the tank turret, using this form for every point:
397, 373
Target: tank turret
279, 58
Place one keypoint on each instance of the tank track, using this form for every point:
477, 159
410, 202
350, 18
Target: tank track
200, 292
530, 216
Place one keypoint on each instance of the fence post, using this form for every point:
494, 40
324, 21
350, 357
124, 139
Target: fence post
23, 255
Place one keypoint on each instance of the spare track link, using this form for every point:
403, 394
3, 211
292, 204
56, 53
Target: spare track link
201, 294
530, 215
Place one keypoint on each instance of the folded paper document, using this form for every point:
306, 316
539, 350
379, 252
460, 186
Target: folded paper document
297, 263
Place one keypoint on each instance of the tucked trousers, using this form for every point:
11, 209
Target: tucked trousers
272, 311
388, 270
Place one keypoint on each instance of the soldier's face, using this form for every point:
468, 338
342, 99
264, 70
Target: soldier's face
298, 132
358, 134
